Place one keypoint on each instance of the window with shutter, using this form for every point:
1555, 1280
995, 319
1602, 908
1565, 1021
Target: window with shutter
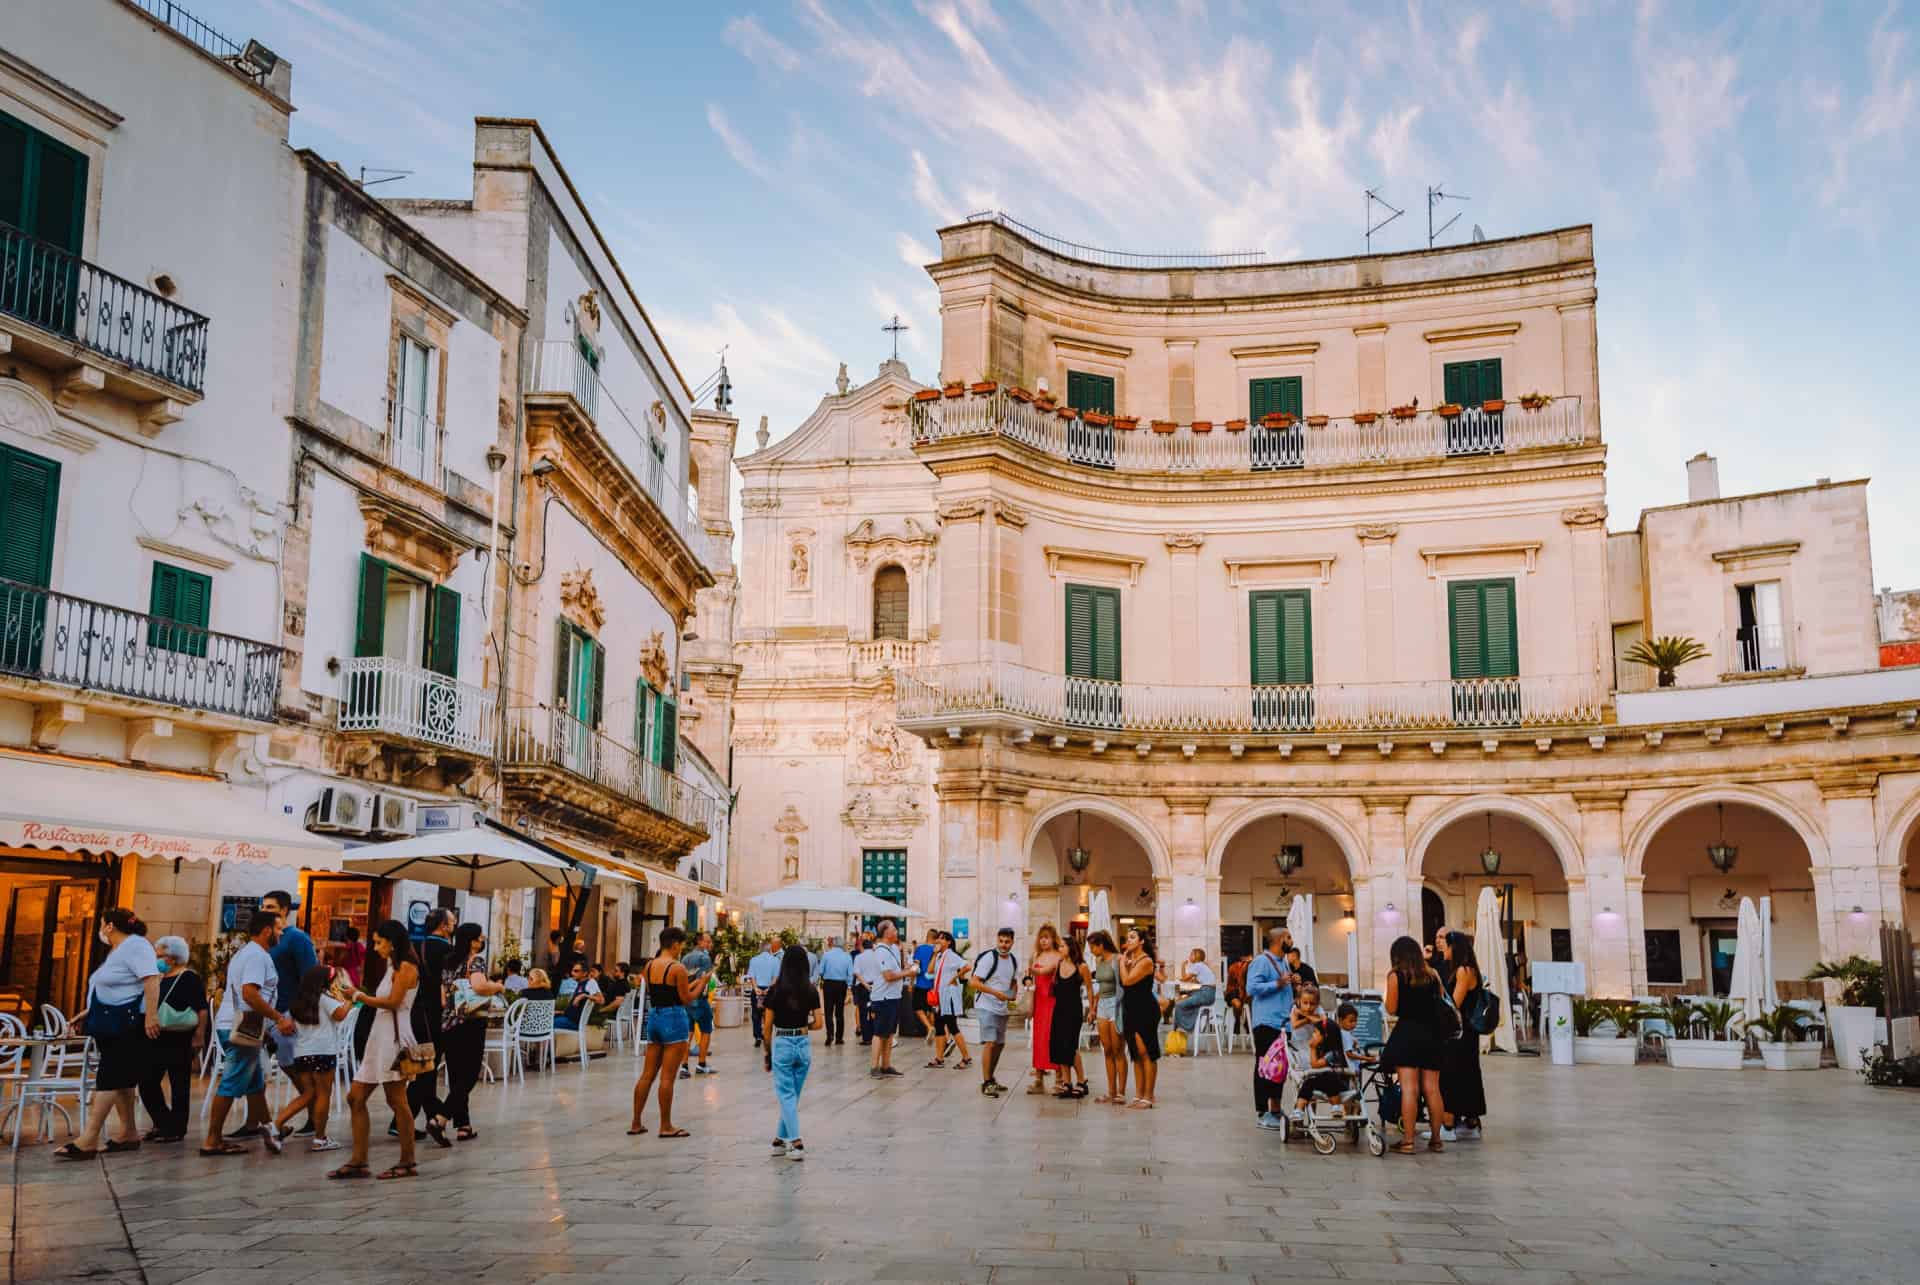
29, 505
179, 597
443, 632
43, 185
643, 698
1280, 396
370, 625
883, 874
890, 603
1090, 392
1093, 632
669, 733
1483, 629
1469, 383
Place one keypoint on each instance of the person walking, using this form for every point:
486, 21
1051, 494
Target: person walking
246, 1013
423, 1098
1140, 1017
1186, 1012
1071, 980
1040, 971
762, 972
1106, 984
669, 990
923, 1003
1416, 1049
836, 971
353, 955
184, 1029
994, 977
793, 1009
293, 957
699, 965
1270, 1004
949, 990
390, 1037
321, 1004
890, 973
122, 1018
467, 993
861, 989
1460, 1084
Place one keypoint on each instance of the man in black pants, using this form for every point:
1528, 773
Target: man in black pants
422, 1097
861, 989
836, 970
1270, 995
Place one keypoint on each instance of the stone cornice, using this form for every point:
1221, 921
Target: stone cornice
1599, 800
1257, 352
1461, 334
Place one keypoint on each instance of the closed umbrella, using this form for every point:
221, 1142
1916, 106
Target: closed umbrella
1099, 917
1353, 959
1300, 924
1491, 950
1750, 984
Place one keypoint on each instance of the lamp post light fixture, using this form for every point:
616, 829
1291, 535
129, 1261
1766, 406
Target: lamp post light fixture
1291, 856
1722, 853
1490, 856
1077, 856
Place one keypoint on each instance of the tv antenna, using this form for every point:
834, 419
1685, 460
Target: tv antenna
386, 176
1434, 197
1374, 198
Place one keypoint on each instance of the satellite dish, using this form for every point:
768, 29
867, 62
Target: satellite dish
1478, 235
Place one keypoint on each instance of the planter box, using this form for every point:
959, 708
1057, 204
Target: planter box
1164, 426
1365, 416
729, 1010
1067, 412
984, 387
927, 395
1020, 394
1236, 426
1706, 1055
955, 390
1317, 421
1449, 410
1202, 426
1097, 419
1603, 1050
1799, 1056
1854, 1029
1493, 405
1126, 423
1278, 420
1403, 412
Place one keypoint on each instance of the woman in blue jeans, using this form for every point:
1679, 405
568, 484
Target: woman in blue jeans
669, 991
792, 1009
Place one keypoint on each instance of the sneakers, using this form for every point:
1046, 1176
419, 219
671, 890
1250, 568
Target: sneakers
272, 1138
1268, 1120
701, 1068
875, 1073
889, 1071
796, 1150
320, 1143
1469, 1132
685, 1074
1448, 1135
779, 1148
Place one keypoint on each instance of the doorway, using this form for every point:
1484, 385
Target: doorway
50, 910
1721, 944
1433, 915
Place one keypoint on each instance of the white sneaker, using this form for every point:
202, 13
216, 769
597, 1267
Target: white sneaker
1448, 1135
796, 1150
1471, 1132
1271, 1121
779, 1148
272, 1138
323, 1144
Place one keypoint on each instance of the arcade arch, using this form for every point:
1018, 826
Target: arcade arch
1125, 859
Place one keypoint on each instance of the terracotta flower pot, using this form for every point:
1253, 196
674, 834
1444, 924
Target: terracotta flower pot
1126, 423
1316, 421
955, 390
1236, 426
1493, 405
1067, 412
1202, 426
984, 387
1365, 416
927, 395
1448, 409
1403, 412
1533, 403
1164, 426
1020, 394
1098, 419
1279, 419
1044, 401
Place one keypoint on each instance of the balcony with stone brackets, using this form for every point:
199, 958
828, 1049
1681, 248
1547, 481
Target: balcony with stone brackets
96, 332
413, 721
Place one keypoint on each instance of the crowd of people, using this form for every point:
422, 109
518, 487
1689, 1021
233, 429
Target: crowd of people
410, 1008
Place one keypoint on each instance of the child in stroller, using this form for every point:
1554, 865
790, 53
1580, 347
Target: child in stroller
1328, 1090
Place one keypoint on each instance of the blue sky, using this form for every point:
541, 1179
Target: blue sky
771, 175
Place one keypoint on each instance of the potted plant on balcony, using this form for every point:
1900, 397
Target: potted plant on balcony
1276, 419
927, 395
1201, 426
1126, 423
1044, 400
1855, 1020
1407, 411
1098, 419
1067, 412
1318, 421
1019, 394
1236, 426
1603, 1031
985, 387
1494, 405
1365, 416
1164, 426
1664, 655
1535, 401
955, 389
1779, 1036
1710, 1043
1448, 410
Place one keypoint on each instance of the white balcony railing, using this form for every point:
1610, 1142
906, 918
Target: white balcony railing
947, 695
1760, 649
559, 367
886, 653
1338, 443
391, 696
544, 737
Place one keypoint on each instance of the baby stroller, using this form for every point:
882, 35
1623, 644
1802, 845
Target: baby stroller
1323, 1110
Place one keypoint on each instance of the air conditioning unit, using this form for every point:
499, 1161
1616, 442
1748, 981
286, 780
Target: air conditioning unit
393, 814
343, 811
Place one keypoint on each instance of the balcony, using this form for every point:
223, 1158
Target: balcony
993, 693
876, 654
1760, 651
59, 311
409, 702
592, 783
49, 637
1338, 443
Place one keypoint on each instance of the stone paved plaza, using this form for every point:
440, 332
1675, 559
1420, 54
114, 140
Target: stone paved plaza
1587, 1173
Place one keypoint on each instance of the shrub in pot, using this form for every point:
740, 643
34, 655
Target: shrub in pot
1710, 1044
1854, 1021
1603, 1031
1778, 1032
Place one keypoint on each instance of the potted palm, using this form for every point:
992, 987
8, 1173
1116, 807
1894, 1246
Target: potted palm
1855, 1020
1603, 1031
1710, 1043
1778, 1033
1664, 655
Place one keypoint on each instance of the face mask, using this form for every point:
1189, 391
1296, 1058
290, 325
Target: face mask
163, 964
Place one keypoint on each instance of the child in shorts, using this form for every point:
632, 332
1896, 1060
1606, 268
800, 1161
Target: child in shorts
318, 1010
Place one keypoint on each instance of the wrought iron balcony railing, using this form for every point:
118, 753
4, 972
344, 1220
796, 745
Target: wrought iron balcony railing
545, 737
947, 695
66, 296
411, 701
57, 638
1338, 443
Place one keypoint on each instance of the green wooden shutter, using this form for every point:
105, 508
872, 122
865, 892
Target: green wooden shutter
370, 628
1490, 380
1106, 634
29, 504
1484, 629
1469, 383
562, 666
1501, 629
182, 596
641, 695
669, 733
1282, 396
1263, 634
43, 185
1079, 631
592, 655
14, 142
1465, 630
443, 631
1456, 379
1090, 392
1296, 636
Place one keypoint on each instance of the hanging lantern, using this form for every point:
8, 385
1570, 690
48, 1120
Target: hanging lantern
1291, 856
1722, 853
1077, 856
1490, 855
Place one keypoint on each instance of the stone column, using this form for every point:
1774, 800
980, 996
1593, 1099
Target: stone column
1183, 555
1181, 927
1600, 934
1393, 891
1851, 901
1376, 574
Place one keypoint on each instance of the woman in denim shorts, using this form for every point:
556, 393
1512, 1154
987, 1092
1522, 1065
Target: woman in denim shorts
669, 991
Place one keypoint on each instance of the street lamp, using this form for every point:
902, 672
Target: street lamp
1077, 856
1291, 856
1490, 857
1722, 853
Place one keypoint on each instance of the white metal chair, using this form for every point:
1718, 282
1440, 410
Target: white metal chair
624, 1022
344, 1063
14, 1063
503, 1042
535, 1034
1209, 1021
70, 1076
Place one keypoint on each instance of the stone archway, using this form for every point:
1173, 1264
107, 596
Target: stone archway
1121, 861
1246, 892
1148, 837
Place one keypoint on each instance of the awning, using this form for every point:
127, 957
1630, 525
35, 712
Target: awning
613, 867
132, 812
480, 860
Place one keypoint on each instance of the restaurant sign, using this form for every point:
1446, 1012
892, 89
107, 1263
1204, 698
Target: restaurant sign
146, 843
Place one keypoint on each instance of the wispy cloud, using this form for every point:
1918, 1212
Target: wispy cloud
737, 147
926, 190
760, 46
1691, 90
1876, 124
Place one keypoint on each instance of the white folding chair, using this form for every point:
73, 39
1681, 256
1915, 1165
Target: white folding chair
344, 1063
535, 1033
503, 1042
68, 1073
620, 1027
1208, 1021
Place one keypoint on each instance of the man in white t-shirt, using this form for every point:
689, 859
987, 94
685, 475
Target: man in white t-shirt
253, 986
889, 970
1187, 1011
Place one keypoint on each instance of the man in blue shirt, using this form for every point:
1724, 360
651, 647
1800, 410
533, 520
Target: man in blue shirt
699, 964
761, 974
1270, 992
292, 956
836, 970
924, 1001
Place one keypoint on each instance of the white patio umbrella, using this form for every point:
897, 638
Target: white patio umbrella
1099, 917
818, 898
479, 860
1750, 984
1490, 948
1300, 924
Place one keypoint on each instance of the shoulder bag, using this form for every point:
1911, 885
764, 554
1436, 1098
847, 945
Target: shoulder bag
250, 1032
1481, 1012
1446, 1018
175, 1019
411, 1060
109, 1021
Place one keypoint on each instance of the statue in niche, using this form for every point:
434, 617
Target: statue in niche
790, 859
799, 575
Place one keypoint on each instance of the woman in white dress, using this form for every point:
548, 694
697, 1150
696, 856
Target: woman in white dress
392, 1031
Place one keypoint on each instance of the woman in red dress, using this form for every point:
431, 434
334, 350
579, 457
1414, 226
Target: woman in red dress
1040, 970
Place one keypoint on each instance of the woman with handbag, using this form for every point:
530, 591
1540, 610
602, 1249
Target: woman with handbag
122, 1015
1460, 1084
393, 1056
463, 1024
1415, 1050
183, 1033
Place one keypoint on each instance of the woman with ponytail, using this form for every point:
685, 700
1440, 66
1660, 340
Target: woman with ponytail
122, 1015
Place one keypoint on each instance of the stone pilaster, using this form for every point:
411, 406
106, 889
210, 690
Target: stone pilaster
1602, 930
1183, 618
1849, 894
1376, 572
1183, 926
1392, 895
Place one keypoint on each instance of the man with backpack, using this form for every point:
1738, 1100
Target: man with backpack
994, 977
1270, 996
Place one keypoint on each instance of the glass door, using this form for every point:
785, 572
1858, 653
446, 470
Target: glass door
50, 916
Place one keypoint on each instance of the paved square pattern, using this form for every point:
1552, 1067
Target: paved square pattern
1585, 1173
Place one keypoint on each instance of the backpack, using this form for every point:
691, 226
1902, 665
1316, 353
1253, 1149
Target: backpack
1446, 1018
1481, 1012
986, 979
1274, 1063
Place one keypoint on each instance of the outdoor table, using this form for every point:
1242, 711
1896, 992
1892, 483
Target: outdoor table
38, 1047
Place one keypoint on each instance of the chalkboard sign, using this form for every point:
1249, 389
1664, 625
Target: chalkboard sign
1663, 957
235, 912
1370, 1032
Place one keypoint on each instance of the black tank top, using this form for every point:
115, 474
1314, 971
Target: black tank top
662, 993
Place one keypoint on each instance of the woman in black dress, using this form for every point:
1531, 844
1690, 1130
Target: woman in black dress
1460, 1084
1415, 1050
1069, 1018
1140, 1017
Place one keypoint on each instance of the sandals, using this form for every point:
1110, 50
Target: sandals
1139, 1104
1404, 1149
636, 1130
400, 1171
466, 1133
350, 1171
963, 1064
438, 1132
1436, 1145
115, 1148
72, 1152
224, 1149
935, 1063
676, 1133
